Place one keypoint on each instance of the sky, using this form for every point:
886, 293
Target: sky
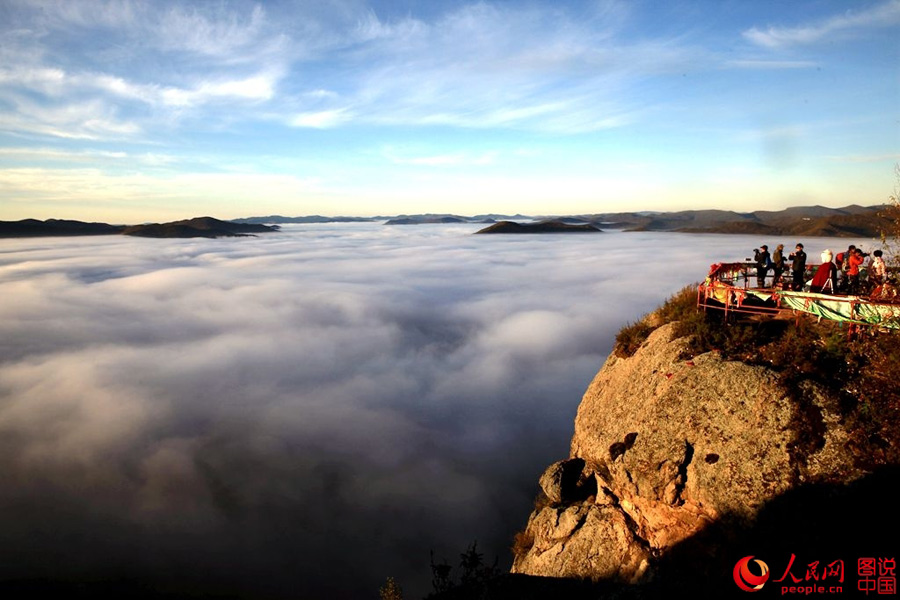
130, 111
305, 413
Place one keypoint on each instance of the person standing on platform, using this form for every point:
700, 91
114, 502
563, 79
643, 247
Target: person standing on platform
798, 268
761, 256
777, 265
877, 268
825, 278
842, 261
856, 259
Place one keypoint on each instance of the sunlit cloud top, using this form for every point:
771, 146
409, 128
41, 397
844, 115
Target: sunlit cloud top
441, 107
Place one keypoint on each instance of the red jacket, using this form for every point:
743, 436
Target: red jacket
825, 272
855, 261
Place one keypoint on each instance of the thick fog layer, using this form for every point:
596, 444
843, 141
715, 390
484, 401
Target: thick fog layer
305, 413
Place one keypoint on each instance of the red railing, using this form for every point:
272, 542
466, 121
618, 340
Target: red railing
728, 288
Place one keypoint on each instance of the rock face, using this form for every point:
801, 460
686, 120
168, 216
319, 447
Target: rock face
666, 445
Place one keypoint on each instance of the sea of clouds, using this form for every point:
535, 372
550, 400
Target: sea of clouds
305, 413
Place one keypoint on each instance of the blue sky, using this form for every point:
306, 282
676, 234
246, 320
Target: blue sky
129, 111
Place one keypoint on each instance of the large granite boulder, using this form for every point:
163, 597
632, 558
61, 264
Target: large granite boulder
673, 443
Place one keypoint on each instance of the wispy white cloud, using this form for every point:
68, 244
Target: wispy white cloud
44, 155
227, 31
888, 157
256, 88
89, 105
750, 63
221, 33
886, 14
322, 119
58, 83
113, 14
86, 120
482, 65
457, 159
190, 57
469, 68
58, 154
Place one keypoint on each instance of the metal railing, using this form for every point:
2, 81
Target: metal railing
729, 287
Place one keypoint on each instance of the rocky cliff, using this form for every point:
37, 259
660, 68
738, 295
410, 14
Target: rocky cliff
668, 446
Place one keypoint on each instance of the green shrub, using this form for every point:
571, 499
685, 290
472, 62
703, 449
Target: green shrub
680, 306
630, 338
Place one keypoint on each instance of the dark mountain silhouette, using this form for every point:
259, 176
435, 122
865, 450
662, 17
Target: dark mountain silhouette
493, 217
849, 221
799, 212
542, 227
849, 225
199, 227
55, 227
429, 219
207, 227
863, 223
275, 219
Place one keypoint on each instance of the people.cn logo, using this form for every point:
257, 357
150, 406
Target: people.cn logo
746, 580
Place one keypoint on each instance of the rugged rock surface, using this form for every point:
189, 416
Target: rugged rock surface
675, 444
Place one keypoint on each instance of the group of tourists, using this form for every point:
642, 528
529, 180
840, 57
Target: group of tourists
778, 264
836, 274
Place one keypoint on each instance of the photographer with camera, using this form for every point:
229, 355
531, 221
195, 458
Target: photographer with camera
825, 279
842, 260
856, 259
798, 268
761, 256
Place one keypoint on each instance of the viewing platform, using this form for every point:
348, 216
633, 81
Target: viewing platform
728, 287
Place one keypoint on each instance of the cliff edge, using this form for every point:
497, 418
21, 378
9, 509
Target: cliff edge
666, 445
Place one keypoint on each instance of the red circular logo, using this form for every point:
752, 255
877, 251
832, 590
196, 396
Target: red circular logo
746, 580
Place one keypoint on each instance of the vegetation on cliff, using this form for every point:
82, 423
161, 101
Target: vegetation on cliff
890, 220
862, 368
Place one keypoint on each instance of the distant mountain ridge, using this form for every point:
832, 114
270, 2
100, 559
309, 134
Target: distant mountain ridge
207, 227
278, 219
55, 227
808, 221
425, 219
403, 219
553, 226
800, 221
